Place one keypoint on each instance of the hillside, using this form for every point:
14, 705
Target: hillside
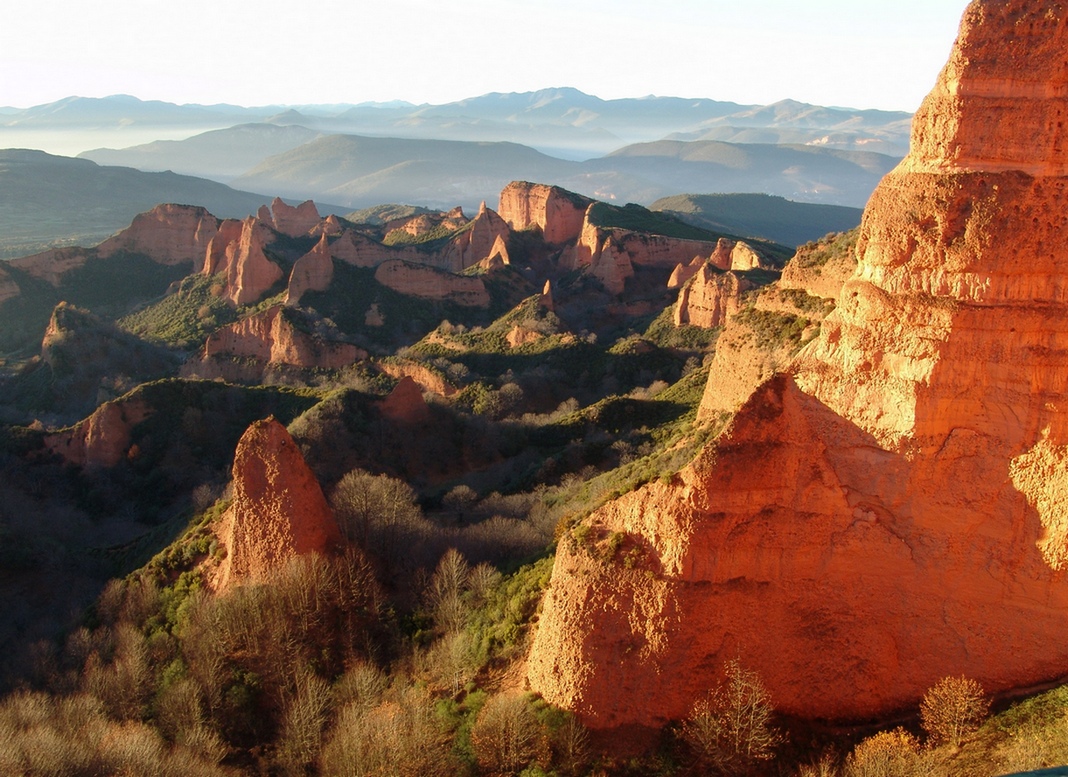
220, 155
761, 215
49, 200
366, 171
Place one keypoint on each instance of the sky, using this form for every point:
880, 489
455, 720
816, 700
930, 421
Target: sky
853, 53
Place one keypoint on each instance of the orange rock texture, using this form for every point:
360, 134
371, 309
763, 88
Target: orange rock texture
271, 338
278, 509
170, 234
237, 253
890, 511
312, 272
557, 212
709, 298
430, 283
294, 221
101, 440
484, 237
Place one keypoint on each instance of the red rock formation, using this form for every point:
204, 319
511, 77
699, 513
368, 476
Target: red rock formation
559, 213
426, 378
294, 221
431, 283
50, 266
278, 510
312, 272
328, 226
169, 234
520, 335
683, 272
889, 513
546, 298
484, 236
709, 298
237, 252
103, 439
611, 254
405, 404
821, 269
270, 338
743, 257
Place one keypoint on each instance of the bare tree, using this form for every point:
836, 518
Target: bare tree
506, 736
953, 708
886, 754
729, 730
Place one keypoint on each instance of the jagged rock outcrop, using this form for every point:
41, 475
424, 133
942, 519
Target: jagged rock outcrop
169, 234
104, 438
486, 235
278, 510
709, 298
888, 512
425, 377
237, 253
545, 300
268, 338
293, 221
611, 254
557, 212
312, 272
431, 283
683, 272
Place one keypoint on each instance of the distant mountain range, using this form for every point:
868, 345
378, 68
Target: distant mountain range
563, 122
362, 171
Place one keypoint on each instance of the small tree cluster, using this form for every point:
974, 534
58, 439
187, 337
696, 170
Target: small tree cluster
953, 708
729, 730
887, 754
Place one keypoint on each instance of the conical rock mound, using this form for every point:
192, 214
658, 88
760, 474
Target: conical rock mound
278, 508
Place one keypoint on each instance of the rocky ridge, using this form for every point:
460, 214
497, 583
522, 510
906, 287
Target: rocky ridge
888, 505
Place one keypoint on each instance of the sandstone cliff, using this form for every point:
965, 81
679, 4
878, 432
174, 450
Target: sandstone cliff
888, 513
611, 254
169, 234
278, 509
486, 234
557, 212
312, 272
709, 298
293, 221
236, 252
430, 283
102, 439
268, 339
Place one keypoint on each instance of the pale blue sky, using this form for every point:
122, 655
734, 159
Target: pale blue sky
857, 53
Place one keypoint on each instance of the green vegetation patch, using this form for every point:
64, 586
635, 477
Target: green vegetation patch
772, 329
827, 248
636, 218
185, 318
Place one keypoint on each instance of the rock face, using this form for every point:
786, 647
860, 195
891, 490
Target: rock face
611, 254
170, 234
431, 283
270, 338
312, 272
294, 221
709, 298
889, 512
426, 378
405, 404
278, 510
101, 440
237, 252
485, 237
559, 213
